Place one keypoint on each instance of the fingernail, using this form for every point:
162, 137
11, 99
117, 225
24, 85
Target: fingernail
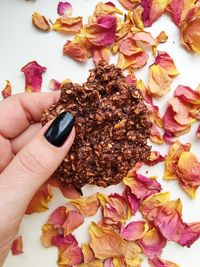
79, 190
60, 129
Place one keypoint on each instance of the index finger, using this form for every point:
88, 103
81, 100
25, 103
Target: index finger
19, 111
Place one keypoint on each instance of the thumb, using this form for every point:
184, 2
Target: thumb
36, 162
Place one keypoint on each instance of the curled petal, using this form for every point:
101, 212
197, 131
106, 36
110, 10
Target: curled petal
40, 200
158, 262
153, 9
152, 243
115, 209
64, 9
17, 246
141, 186
40, 22
88, 206
54, 85
155, 158
155, 135
69, 253
73, 220
130, 4
68, 25
134, 230
187, 95
136, 61
132, 201
7, 91
190, 30
190, 234
88, 253
166, 62
102, 31
162, 37
33, 76
106, 9
111, 243
172, 159
159, 81
49, 232
101, 54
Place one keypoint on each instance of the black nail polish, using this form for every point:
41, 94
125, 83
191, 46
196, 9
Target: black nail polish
79, 190
60, 129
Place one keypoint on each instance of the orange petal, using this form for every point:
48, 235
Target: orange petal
158, 262
130, 4
48, 233
166, 62
153, 9
128, 46
144, 39
88, 253
162, 37
154, 158
40, 22
40, 200
73, 220
106, 9
152, 242
17, 246
68, 25
101, 54
88, 206
115, 209
159, 81
111, 243
172, 159
136, 61
7, 91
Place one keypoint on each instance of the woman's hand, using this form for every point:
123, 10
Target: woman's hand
29, 154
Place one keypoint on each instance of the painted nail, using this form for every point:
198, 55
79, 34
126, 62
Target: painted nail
60, 129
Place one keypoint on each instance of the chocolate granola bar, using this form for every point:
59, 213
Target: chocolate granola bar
112, 128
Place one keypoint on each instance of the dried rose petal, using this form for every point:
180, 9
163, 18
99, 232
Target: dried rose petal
111, 244
64, 9
152, 243
101, 54
128, 46
190, 234
166, 62
17, 246
141, 186
54, 85
162, 37
68, 25
108, 263
130, 4
134, 230
40, 22
106, 9
198, 132
144, 39
172, 159
49, 232
155, 158
153, 10
33, 76
155, 135
102, 31
115, 209
7, 91
190, 30
88, 206
40, 200
132, 201
69, 253
58, 217
73, 220
88, 253
136, 61
93, 263
159, 81
158, 262
67, 191
187, 95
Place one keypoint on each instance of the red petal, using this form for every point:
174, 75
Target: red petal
17, 246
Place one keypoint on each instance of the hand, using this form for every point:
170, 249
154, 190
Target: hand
29, 154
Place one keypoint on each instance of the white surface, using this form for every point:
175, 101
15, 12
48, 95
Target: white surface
21, 43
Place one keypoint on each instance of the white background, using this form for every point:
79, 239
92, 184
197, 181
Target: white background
20, 43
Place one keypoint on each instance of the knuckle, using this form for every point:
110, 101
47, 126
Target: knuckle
29, 162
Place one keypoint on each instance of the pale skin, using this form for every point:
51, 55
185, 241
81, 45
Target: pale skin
27, 159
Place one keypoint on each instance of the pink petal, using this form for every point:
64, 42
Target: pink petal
186, 94
17, 246
33, 76
132, 201
190, 234
58, 217
155, 158
134, 230
7, 91
64, 9
158, 262
73, 220
54, 85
